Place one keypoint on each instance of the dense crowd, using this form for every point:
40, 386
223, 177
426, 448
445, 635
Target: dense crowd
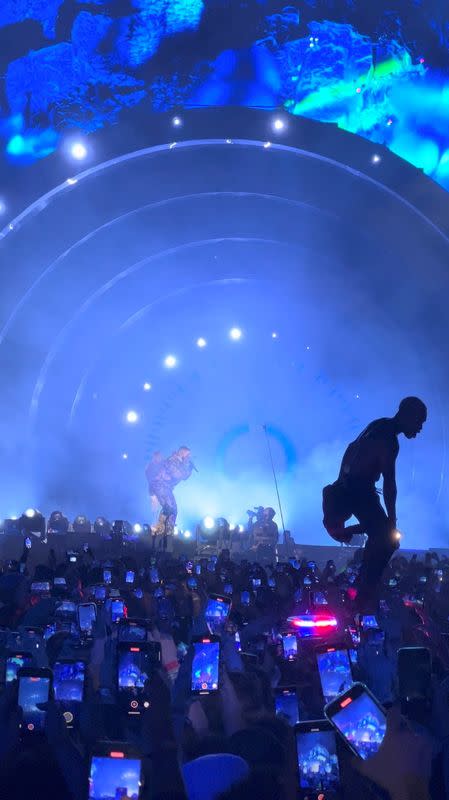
158, 677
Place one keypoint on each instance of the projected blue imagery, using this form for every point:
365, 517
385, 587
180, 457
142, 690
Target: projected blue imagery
381, 73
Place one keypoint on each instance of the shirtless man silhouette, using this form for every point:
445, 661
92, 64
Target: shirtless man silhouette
372, 455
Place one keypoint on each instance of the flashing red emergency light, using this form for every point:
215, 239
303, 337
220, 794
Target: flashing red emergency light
313, 621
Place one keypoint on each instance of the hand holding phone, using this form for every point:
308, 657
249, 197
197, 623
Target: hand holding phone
359, 718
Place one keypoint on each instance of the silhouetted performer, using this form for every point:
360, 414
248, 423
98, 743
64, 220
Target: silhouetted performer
371, 455
162, 476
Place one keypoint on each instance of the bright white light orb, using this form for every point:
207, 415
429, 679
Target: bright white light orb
125, 456
241, 528
278, 124
30, 513
78, 150
170, 362
208, 523
2, 206
72, 181
232, 526
235, 334
176, 122
146, 386
376, 158
137, 528
187, 534
132, 417
201, 342
274, 335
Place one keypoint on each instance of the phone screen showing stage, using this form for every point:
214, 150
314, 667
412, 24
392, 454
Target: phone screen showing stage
133, 668
217, 609
68, 681
290, 646
14, 663
369, 621
287, 706
33, 690
334, 668
87, 615
114, 778
129, 578
318, 761
205, 666
117, 610
363, 724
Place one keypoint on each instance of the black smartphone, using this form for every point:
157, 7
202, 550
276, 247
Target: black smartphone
317, 759
205, 665
286, 704
245, 598
87, 615
132, 630
414, 676
66, 609
334, 668
115, 772
14, 662
40, 587
68, 681
289, 646
368, 621
100, 593
217, 609
133, 671
118, 609
359, 718
35, 686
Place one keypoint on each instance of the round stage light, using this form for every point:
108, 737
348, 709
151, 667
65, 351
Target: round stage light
232, 526
30, 513
235, 334
146, 386
201, 342
175, 531
241, 528
375, 158
274, 335
137, 528
170, 362
176, 122
278, 124
132, 417
208, 523
125, 456
2, 206
78, 150
187, 534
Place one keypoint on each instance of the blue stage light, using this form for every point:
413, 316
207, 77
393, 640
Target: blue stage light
208, 523
78, 150
170, 362
235, 334
132, 417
